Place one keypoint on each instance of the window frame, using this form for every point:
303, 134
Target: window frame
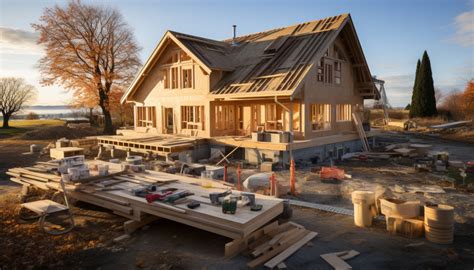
343, 112
316, 110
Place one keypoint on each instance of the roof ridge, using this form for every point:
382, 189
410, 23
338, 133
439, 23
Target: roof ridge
198, 37
280, 28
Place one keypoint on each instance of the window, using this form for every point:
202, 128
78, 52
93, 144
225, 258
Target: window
174, 78
187, 78
321, 116
224, 117
192, 117
145, 116
166, 78
337, 72
327, 73
320, 71
343, 112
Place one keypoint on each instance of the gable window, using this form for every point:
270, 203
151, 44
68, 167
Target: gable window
174, 78
337, 72
187, 78
146, 116
320, 117
343, 112
192, 117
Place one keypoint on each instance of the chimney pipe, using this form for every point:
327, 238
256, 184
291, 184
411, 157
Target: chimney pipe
233, 38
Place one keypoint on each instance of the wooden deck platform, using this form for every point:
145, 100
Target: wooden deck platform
162, 145
120, 200
246, 142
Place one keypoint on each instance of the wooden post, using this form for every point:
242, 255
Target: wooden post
239, 187
225, 173
292, 177
273, 185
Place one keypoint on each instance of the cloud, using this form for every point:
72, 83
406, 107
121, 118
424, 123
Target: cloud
464, 29
17, 41
399, 89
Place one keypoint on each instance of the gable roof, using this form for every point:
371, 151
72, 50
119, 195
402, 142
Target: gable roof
273, 62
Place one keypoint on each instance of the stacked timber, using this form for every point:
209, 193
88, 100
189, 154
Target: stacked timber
439, 223
40, 175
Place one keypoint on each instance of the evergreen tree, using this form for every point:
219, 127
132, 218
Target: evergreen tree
427, 99
415, 97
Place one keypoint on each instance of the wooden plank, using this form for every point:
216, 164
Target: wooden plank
276, 250
335, 261
351, 254
289, 251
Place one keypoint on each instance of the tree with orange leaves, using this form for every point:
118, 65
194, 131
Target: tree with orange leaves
89, 50
468, 99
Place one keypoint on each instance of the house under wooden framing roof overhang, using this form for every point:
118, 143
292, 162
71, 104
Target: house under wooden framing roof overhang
306, 80
271, 63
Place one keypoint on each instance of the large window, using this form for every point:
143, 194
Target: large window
343, 112
146, 116
224, 117
187, 78
320, 117
192, 117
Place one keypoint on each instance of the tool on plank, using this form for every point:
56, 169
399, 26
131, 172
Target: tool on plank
229, 205
251, 201
216, 197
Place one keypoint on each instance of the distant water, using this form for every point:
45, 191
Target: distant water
48, 110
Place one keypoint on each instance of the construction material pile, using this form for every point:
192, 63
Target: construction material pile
274, 243
404, 217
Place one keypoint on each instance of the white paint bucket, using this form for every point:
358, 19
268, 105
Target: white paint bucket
363, 202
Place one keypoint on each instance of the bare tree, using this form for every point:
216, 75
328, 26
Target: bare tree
15, 93
89, 50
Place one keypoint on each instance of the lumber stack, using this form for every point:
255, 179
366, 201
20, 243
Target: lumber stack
39, 175
278, 243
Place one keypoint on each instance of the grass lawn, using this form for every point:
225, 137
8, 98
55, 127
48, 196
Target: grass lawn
20, 126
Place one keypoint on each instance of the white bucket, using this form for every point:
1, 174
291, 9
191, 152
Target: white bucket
363, 201
103, 169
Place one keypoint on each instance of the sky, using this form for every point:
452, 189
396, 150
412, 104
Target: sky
393, 34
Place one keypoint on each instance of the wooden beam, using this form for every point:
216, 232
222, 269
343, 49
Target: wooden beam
289, 251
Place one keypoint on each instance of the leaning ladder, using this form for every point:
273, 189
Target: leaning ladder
360, 130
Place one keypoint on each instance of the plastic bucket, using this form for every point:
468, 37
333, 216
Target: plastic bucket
363, 201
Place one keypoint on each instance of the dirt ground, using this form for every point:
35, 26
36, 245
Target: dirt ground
168, 245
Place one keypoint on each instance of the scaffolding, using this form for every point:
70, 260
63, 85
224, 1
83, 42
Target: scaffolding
383, 101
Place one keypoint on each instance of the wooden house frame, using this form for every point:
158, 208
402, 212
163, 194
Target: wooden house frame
306, 79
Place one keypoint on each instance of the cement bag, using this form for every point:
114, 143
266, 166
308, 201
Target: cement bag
259, 181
